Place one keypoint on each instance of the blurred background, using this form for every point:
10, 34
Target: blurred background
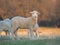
49, 9
49, 17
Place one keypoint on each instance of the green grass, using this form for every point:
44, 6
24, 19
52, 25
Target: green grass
31, 42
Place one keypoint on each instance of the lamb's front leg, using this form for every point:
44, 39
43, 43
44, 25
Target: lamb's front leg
12, 34
31, 34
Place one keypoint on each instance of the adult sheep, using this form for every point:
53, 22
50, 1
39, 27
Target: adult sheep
5, 25
29, 23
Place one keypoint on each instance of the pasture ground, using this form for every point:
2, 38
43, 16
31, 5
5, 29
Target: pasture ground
31, 42
43, 33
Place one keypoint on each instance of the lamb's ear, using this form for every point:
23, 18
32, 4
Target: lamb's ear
38, 13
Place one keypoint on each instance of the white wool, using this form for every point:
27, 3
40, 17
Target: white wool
5, 25
25, 23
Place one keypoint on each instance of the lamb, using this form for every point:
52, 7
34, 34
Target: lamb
5, 25
29, 23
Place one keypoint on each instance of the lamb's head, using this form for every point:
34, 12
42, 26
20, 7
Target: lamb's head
35, 14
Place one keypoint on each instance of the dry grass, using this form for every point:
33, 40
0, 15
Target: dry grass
49, 31
42, 31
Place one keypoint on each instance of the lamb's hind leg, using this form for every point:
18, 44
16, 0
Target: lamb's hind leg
0, 33
12, 35
13, 30
16, 36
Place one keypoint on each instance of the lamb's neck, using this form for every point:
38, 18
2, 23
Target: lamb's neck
33, 20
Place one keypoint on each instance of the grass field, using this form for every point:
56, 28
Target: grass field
31, 42
42, 31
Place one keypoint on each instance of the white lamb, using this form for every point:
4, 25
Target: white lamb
5, 25
29, 23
